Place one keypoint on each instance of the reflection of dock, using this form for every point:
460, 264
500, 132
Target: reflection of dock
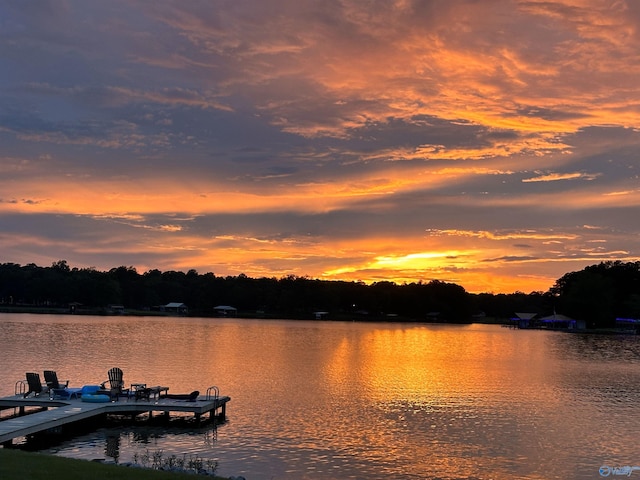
54, 414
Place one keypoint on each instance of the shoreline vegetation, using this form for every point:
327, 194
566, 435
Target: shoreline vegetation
597, 296
337, 316
19, 465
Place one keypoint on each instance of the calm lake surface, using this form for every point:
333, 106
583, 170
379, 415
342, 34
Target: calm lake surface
341, 400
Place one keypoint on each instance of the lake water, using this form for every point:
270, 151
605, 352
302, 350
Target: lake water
345, 400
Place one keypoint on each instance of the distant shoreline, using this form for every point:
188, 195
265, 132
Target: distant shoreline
105, 312
102, 312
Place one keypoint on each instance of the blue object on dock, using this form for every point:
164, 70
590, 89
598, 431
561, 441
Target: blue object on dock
89, 393
96, 398
89, 389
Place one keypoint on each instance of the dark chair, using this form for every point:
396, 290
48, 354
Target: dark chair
58, 389
188, 397
51, 379
35, 385
116, 384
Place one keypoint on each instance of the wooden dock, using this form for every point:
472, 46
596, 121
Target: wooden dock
55, 414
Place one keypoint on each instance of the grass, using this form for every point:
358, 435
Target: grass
19, 465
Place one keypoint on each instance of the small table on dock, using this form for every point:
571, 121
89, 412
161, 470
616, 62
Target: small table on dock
141, 391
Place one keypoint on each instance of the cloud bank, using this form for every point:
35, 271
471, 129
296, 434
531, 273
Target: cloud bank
492, 144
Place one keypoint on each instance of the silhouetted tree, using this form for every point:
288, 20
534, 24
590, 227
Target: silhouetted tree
600, 293
597, 294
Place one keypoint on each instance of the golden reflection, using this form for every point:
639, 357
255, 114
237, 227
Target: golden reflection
437, 366
339, 369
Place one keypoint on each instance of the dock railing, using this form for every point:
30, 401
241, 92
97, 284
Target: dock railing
20, 387
213, 393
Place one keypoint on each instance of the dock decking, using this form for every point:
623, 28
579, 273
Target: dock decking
58, 413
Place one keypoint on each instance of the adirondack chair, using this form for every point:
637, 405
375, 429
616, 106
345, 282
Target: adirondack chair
58, 389
51, 379
116, 384
35, 385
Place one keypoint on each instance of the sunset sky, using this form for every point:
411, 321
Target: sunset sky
492, 144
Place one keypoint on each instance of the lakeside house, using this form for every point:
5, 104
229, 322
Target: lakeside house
524, 319
628, 325
559, 321
115, 309
175, 308
225, 311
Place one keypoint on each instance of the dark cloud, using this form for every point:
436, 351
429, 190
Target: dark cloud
548, 113
511, 258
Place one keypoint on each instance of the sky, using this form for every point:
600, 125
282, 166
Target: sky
490, 144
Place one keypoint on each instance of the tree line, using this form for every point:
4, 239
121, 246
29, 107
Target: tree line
597, 294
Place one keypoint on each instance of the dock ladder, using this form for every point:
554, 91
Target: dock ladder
213, 393
20, 387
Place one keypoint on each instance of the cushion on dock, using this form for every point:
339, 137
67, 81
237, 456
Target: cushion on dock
96, 398
89, 389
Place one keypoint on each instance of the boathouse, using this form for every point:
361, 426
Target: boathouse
562, 322
225, 311
175, 308
524, 319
